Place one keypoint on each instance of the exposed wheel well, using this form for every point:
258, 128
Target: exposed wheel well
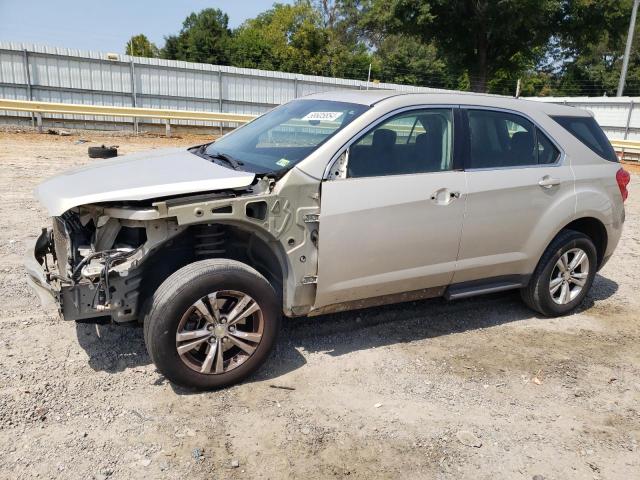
203, 241
595, 230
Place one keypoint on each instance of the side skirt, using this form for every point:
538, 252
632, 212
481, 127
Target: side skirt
486, 285
379, 301
452, 292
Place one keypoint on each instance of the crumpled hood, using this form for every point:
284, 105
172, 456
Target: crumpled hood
139, 176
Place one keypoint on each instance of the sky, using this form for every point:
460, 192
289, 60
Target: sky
107, 25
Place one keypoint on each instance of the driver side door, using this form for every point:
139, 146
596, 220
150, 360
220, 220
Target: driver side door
393, 225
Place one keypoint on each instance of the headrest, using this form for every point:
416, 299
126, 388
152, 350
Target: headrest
522, 142
422, 140
384, 138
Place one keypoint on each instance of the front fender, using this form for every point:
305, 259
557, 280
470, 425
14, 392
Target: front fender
285, 218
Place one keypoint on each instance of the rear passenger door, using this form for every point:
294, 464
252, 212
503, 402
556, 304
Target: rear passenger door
516, 177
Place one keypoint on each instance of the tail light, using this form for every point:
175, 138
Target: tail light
623, 178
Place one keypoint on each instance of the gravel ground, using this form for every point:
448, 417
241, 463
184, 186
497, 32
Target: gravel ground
480, 388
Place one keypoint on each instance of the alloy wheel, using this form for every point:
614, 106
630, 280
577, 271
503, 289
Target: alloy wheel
569, 276
219, 332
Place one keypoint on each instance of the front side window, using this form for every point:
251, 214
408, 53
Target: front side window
285, 135
417, 141
501, 139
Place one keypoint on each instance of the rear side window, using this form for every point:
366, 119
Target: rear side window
587, 130
502, 139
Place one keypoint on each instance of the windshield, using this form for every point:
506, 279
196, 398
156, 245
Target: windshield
285, 135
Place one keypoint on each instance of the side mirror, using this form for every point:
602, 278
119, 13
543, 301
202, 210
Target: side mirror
339, 168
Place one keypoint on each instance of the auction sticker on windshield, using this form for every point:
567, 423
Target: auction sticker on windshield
327, 116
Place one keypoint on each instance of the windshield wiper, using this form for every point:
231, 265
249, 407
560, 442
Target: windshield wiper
235, 164
225, 157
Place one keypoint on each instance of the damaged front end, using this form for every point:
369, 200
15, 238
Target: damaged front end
91, 261
106, 259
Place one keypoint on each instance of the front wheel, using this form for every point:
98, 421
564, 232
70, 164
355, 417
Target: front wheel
212, 323
563, 276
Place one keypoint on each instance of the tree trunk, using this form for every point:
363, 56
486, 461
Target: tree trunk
479, 69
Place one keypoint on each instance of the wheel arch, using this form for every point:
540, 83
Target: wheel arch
592, 228
230, 240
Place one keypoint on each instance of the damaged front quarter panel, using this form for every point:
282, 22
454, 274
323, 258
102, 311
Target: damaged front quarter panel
284, 214
110, 258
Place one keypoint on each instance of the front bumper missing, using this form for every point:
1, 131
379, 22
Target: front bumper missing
77, 301
38, 277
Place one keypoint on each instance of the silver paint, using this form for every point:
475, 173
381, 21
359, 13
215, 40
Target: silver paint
139, 176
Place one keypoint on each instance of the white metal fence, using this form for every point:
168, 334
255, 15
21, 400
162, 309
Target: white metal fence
31, 72
619, 117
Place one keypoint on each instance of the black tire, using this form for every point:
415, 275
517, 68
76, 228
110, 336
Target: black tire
142, 317
178, 292
102, 152
537, 295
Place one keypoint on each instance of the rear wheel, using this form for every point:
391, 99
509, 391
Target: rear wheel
212, 323
563, 276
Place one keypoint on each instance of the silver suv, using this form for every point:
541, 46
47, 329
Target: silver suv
332, 202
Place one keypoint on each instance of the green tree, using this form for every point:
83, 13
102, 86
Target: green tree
348, 54
303, 37
251, 49
406, 59
286, 37
205, 37
590, 46
140, 46
479, 37
557, 47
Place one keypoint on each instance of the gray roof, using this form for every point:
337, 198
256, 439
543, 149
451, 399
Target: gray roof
363, 97
371, 97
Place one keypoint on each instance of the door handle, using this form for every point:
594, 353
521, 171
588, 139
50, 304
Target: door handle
444, 196
548, 182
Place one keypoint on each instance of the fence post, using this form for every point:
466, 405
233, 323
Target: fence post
626, 128
134, 100
295, 87
220, 97
27, 75
38, 121
167, 127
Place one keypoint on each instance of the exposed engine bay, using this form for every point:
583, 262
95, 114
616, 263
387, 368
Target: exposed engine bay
95, 259
107, 259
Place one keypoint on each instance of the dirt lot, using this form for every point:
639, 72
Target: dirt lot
478, 389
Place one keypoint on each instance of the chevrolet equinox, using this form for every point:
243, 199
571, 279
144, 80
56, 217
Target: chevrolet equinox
331, 202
